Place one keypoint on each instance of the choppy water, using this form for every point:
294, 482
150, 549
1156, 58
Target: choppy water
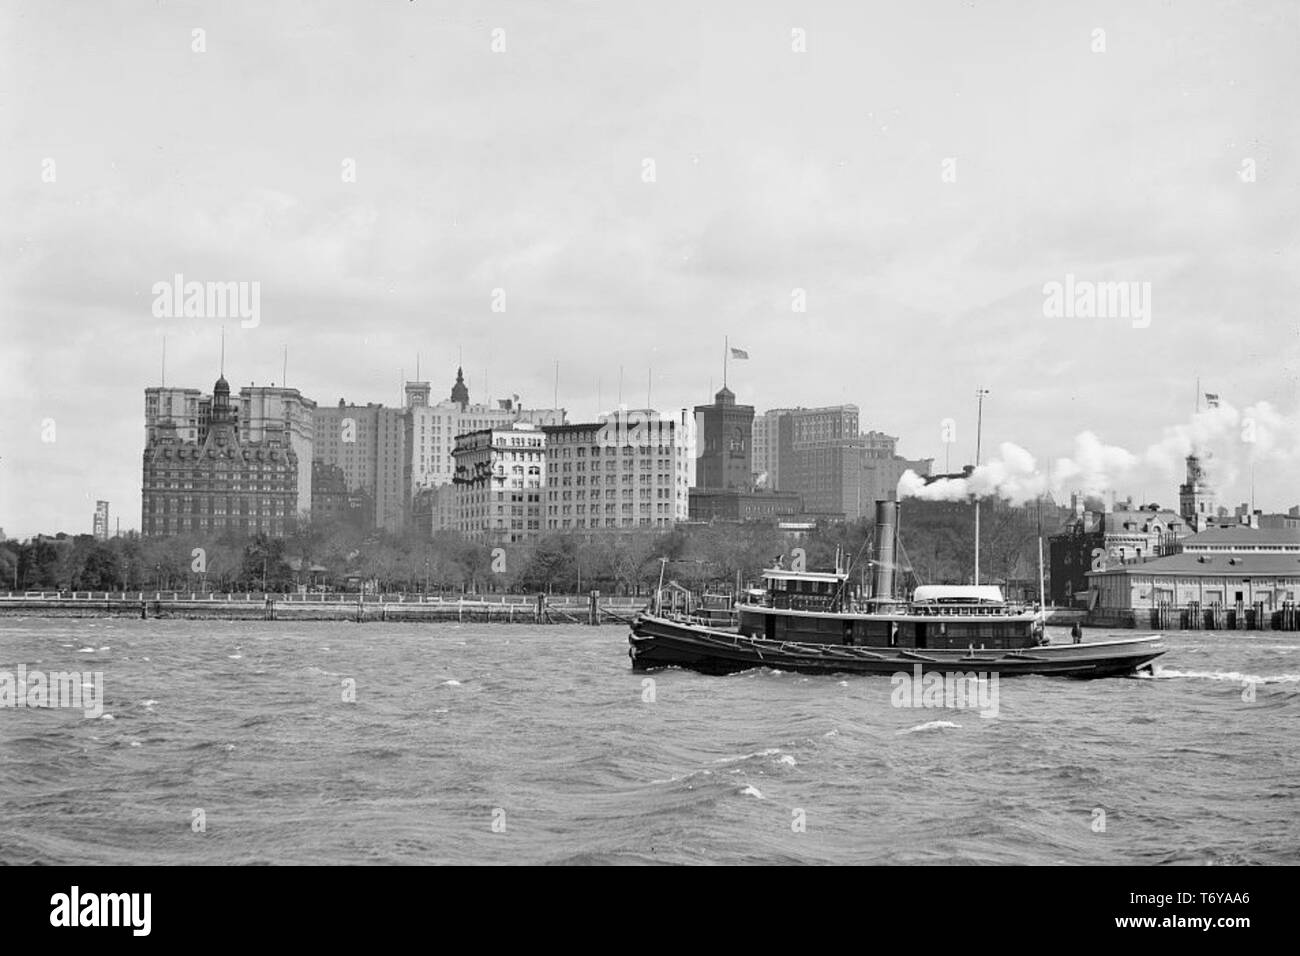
545, 731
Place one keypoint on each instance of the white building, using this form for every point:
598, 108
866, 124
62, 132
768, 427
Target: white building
432, 430
270, 413
634, 469
766, 443
499, 476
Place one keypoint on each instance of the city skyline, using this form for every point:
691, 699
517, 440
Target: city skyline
1225, 504
918, 224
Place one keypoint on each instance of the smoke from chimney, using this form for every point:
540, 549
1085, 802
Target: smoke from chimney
1229, 442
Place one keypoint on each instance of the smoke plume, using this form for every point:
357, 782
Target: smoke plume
1229, 443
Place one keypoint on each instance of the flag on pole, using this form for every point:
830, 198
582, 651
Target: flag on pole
739, 354
1211, 400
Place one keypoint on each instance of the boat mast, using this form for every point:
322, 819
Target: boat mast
659, 593
979, 427
1042, 593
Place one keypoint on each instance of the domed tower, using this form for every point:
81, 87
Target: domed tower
459, 391
221, 411
1196, 498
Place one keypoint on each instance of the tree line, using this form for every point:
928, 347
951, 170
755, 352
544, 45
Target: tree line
937, 547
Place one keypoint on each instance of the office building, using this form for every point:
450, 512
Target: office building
633, 469
499, 476
220, 485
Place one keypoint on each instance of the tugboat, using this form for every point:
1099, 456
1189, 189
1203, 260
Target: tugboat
820, 623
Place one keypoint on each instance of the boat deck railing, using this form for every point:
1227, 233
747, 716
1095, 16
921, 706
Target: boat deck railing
828, 604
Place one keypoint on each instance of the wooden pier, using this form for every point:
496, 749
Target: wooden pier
1196, 617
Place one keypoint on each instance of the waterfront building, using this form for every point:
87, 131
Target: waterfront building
724, 434
634, 469
431, 430
1242, 539
262, 414
220, 484
1114, 536
500, 473
1225, 580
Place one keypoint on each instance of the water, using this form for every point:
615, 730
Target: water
545, 732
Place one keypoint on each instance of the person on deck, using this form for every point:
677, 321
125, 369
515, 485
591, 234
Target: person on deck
1076, 632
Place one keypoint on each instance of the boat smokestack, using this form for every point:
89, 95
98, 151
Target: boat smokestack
882, 566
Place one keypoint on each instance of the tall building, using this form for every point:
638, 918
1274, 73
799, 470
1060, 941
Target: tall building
820, 458
767, 448
634, 469
368, 444
177, 407
262, 413
725, 434
283, 415
818, 454
881, 468
500, 473
100, 526
219, 484
431, 431
1196, 498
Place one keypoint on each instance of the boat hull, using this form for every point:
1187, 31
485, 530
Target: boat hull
659, 642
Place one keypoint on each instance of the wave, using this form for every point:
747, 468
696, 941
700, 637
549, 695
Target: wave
769, 752
1234, 676
931, 725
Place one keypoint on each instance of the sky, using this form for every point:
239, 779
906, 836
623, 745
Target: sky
633, 183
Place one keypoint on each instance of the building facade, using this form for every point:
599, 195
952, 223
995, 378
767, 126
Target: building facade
632, 470
431, 433
499, 477
284, 416
100, 527
178, 408
262, 414
1095, 540
221, 485
333, 500
725, 436
368, 444
717, 504
820, 458
1219, 580
1196, 498
881, 469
